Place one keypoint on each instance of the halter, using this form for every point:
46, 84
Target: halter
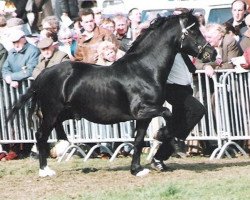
186, 33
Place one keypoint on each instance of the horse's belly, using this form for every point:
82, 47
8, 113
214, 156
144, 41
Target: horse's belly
105, 115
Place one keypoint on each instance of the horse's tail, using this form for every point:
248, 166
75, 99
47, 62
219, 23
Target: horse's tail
21, 102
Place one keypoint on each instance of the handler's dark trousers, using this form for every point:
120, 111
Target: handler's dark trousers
187, 111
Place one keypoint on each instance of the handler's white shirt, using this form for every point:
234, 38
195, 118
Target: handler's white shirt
179, 73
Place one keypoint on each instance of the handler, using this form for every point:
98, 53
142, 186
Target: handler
187, 111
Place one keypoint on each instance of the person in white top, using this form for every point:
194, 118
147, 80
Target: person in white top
187, 111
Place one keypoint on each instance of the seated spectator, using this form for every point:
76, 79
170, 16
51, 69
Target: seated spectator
50, 29
245, 40
107, 53
88, 41
67, 42
20, 61
49, 56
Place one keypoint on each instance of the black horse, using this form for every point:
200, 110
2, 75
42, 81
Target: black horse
130, 89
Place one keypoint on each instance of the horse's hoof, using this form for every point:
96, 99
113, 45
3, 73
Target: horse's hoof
144, 172
46, 172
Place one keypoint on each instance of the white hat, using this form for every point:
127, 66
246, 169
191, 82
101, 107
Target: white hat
16, 35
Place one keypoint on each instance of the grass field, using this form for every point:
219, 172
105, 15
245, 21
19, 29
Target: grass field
191, 178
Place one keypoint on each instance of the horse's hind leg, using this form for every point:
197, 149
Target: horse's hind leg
42, 136
60, 133
141, 128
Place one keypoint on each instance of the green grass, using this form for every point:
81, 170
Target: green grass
192, 179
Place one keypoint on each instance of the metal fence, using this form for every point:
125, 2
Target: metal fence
226, 97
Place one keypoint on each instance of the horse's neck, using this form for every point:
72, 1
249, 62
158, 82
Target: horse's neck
157, 57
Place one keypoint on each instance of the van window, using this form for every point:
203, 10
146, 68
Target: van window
219, 15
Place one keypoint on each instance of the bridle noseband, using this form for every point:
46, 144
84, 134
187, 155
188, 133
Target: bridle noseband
186, 33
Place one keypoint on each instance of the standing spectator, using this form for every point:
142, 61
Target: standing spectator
68, 8
134, 16
121, 29
107, 53
50, 29
245, 40
67, 42
20, 11
4, 34
49, 56
3, 56
97, 15
20, 61
108, 24
226, 46
239, 8
89, 40
41, 9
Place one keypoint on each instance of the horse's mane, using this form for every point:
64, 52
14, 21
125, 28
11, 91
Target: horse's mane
156, 23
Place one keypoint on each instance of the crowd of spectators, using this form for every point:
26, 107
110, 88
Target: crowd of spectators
67, 31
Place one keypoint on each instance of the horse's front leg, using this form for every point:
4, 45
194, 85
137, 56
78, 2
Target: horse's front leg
141, 128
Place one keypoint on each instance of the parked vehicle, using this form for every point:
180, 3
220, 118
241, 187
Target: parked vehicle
214, 11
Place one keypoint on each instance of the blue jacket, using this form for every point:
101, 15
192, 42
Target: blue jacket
20, 65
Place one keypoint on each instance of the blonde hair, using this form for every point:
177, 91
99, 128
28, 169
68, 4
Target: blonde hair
103, 46
219, 27
107, 21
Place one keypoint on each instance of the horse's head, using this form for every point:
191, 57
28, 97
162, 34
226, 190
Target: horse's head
192, 41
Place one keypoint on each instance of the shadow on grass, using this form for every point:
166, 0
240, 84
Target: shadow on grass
198, 167
201, 166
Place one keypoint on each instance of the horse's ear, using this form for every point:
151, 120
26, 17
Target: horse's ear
158, 15
191, 11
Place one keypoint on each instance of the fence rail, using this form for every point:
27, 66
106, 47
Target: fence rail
226, 97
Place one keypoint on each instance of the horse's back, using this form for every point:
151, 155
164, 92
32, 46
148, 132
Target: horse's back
89, 91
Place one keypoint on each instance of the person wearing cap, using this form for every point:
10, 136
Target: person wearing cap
21, 60
50, 56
